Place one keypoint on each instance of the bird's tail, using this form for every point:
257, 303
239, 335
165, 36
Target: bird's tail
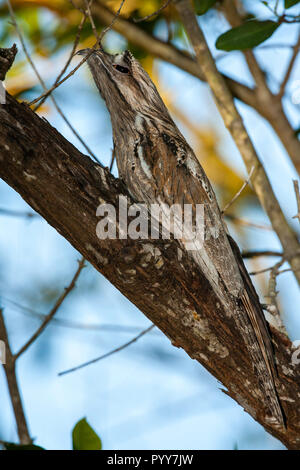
260, 345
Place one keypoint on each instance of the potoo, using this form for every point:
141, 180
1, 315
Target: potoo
159, 167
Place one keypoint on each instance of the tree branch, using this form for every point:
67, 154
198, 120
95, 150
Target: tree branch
65, 187
297, 194
272, 107
257, 253
110, 353
15, 396
273, 112
290, 67
58, 109
235, 126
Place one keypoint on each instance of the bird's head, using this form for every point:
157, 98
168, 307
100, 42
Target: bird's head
123, 83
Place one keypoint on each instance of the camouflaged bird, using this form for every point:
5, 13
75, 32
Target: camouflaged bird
159, 167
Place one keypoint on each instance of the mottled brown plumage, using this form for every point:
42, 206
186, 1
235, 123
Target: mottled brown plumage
158, 166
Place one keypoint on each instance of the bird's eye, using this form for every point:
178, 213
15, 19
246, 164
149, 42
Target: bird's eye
121, 69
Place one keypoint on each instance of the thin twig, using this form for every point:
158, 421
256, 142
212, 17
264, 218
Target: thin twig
246, 182
49, 91
72, 53
13, 213
60, 82
297, 193
53, 311
272, 293
109, 27
273, 111
112, 161
139, 20
110, 353
236, 18
89, 13
260, 271
10, 373
257, 253
247, 223
290, 67
13, 17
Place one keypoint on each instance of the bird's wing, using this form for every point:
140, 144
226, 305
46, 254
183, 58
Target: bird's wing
180, 179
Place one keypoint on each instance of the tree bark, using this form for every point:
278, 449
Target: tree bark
65, 187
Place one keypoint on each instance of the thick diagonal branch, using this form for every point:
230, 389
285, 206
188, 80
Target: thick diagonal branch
65, 187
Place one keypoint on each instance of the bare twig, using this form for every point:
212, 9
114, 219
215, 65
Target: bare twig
60, 82
247, 223
65, 323
13, 213
72, 53
246, 182
115, 17
13, 17
290, 67
139, 20
112, 161
272, 293
297, 193
274, 269
104, 356
77, 7
235, 125
257, 253
53, 311
15, 396
88, 4
260, 271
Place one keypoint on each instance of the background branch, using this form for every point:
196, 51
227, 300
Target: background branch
235, 125
58, 109
14, 392
110, 353
53, 311
273, 112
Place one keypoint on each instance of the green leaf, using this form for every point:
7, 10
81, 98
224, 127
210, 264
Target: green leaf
202, 6
12, 446
246, 36
84, 437
290, 3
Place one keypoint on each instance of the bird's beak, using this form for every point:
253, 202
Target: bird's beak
83, 52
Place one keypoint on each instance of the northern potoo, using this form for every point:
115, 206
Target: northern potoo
159, 167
